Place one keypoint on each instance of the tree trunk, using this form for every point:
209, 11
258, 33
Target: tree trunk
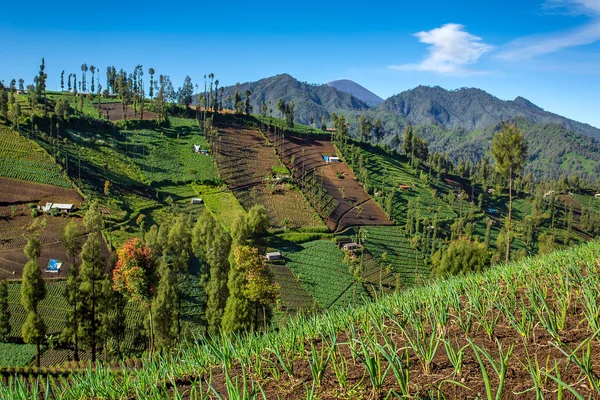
151, 336
93, 317
37, 354
509, 214
265, 318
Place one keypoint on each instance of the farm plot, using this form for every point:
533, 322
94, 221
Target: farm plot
115, 112
16, 355
221, 202
320, 269
166, 154
252, 170
292, 296
399, 253
23, 159
386, 172
15, 218
332, 188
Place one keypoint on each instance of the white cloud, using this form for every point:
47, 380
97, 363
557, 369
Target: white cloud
587, 7
535, 45
451, 50
531, 46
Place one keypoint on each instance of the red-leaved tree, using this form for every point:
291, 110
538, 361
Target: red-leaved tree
135, 277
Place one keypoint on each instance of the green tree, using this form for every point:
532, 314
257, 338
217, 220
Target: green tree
365, 128
164, 307
260, 288
91, 276
407, 141
251, 229
238, 315
461, 257
71, 240
186, 92
378, 130
93, 220
33, 290
237, 101
509, 150
217, 251
3, 102
4, 311
247, 105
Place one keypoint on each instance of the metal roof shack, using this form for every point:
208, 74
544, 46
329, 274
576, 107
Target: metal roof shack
275, 255
62, 207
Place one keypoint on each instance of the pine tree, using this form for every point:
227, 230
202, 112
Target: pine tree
33, 290
217, 291
510, 152
238, 310
91, 276
164, 307
4, 311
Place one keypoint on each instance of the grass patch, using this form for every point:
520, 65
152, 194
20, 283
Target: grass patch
221, 202
16, 355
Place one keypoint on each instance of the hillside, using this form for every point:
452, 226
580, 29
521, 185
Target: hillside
459, 122
553, 150
471, 109
356, 90
526, 328
310, 100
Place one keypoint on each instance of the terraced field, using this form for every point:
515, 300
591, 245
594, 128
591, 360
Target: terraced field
385, 171
15, 217
321, 272
345, 203
399, 253
21, 158
292, 296
247, 163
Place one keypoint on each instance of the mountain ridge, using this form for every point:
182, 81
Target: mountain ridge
471, 109
356, 90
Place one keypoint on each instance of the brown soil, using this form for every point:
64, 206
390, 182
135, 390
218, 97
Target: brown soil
245, 159
115, 112
14, 226
355, 206
441, 381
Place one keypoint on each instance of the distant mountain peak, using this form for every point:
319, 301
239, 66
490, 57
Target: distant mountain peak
471, 109
356, 90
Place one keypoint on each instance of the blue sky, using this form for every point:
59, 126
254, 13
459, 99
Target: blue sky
547, 51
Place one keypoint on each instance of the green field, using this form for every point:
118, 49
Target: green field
21, 158
400, 254
166, 154
292, 296
321, 271
16, 355
221, 202
386, 172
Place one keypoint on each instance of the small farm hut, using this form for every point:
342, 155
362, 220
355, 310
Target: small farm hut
63, 208
275, 255
350, 246
197, 200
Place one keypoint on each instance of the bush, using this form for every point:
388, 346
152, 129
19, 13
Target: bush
461, 257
